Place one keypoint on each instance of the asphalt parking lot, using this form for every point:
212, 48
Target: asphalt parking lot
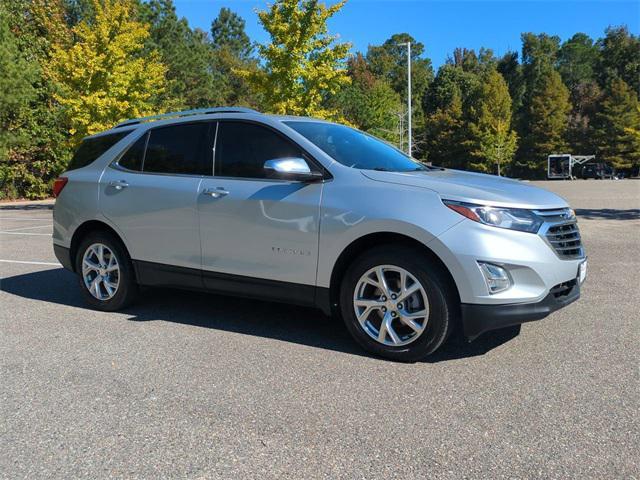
202, 386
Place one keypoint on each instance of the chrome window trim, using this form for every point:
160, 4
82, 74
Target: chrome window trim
215, 143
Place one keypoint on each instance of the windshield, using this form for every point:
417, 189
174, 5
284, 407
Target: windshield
354, 148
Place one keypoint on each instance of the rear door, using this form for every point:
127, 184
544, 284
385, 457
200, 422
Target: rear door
150, 194
251, 225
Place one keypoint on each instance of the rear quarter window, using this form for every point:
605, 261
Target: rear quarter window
91, 148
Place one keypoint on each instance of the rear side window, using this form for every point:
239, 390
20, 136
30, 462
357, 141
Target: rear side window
242, 149
91, 148
178, 149
132, 158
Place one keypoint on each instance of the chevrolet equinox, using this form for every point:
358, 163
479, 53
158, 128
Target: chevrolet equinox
314, 213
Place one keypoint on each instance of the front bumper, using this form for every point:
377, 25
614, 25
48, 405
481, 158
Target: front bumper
478, 318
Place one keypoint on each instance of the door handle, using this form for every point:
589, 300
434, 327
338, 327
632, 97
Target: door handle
215, 192
118, 184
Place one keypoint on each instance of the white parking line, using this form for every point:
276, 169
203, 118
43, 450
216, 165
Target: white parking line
26, 233
26, 228
31, 263
21, 219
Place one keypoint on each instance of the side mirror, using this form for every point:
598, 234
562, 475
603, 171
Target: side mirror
291, 168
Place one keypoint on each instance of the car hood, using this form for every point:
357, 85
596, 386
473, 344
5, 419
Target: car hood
474, 188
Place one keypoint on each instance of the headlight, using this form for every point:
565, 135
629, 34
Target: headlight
510, 218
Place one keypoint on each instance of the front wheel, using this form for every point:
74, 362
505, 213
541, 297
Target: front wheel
397, 304
105, 272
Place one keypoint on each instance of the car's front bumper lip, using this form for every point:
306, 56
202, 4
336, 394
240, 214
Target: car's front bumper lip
478, 318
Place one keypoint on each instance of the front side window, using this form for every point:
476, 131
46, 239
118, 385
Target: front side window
178, 149
91, 148
354, 148
243, 148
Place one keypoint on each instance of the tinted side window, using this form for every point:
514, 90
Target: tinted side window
178, 149
242, 149
91, 148
132, 158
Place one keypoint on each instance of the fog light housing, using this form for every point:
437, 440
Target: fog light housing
496, 278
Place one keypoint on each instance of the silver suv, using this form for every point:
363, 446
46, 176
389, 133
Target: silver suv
309, 212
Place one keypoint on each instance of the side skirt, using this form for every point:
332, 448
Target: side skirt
160, 275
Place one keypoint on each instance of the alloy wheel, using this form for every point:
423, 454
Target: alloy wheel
100, 271
391, 305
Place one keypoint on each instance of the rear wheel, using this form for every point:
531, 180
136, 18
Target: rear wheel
105, 272
397, 305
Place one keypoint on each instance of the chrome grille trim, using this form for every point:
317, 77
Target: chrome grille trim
561, 233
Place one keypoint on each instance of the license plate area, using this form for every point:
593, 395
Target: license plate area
582, 271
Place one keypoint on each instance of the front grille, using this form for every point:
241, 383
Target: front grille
562, 232
565, 239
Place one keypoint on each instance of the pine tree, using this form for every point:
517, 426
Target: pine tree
232, 53
546, 116
617, 124
191, 83
227, 31
445, 134
102, 77
495, 141
369, 103
303, 64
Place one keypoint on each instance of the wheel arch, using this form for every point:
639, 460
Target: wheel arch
366, 242
83, 230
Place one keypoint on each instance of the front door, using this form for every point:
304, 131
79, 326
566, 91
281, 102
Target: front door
252, 226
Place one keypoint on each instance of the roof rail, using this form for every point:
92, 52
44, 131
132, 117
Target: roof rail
186, 113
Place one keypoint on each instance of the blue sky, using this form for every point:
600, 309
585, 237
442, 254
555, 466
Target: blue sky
443, 25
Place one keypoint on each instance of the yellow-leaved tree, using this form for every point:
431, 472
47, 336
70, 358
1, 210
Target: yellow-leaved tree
106, 76
303, 65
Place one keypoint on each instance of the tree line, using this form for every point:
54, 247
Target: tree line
71, 68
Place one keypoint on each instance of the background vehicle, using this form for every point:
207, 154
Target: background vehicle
566, 166
598, 171
310, 212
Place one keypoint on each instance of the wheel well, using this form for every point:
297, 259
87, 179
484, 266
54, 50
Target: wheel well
82, 231
359, 246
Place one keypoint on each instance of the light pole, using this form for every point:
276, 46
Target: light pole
409, 140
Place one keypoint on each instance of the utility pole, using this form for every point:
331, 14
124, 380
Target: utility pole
409, 139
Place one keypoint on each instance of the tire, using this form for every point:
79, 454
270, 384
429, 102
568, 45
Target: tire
124, 277
437, 320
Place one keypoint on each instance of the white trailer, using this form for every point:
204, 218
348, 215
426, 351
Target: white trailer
560, 166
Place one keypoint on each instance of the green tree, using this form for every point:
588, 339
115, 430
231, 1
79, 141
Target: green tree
369, 103
103, 78
42, 152
509, 67
191, 83
303, 64
227, 31
496, 142
389, 61
232, 53
577, 62
17, 76
546, 116
446, 135
539, 55
619, 57
617, 124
